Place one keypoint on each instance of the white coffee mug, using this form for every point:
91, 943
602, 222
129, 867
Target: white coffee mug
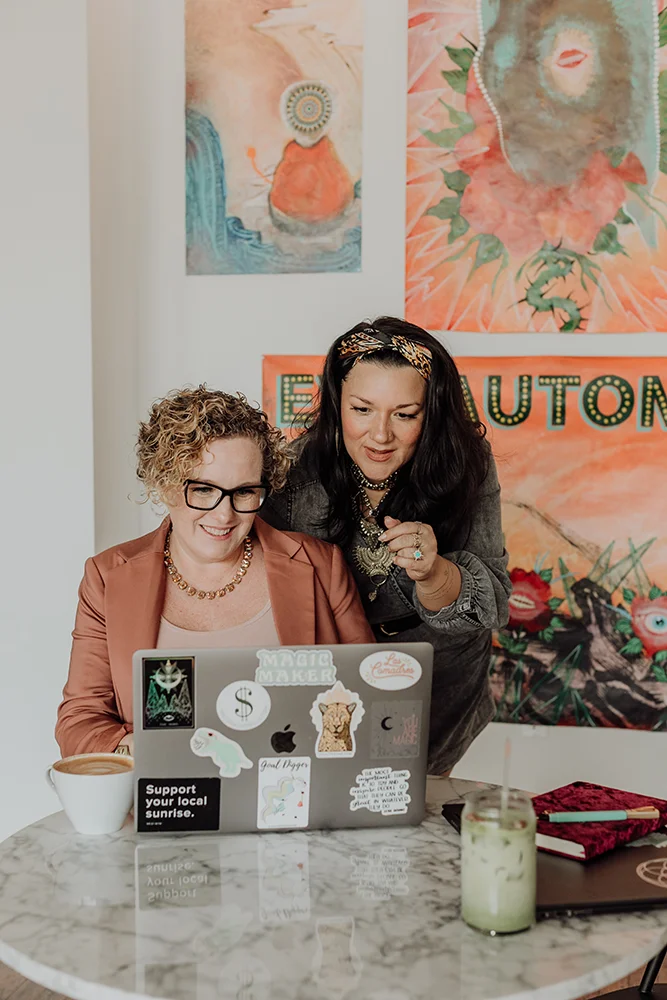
95, 790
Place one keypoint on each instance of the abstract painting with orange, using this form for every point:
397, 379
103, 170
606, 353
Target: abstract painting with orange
273, 135
580, 445
537, 153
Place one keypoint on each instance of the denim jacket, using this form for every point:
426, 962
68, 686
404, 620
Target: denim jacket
461, 704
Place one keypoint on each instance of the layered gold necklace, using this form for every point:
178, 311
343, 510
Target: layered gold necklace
210, 594
373, 559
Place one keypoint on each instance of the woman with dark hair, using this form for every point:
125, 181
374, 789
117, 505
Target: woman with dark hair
393, 469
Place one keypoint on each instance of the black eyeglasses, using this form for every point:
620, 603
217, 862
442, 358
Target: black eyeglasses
205, 496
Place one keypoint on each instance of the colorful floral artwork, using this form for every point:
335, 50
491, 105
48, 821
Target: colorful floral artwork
537, 153
580, 445
273, 135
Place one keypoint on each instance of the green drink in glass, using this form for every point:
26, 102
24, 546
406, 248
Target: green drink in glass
498, 861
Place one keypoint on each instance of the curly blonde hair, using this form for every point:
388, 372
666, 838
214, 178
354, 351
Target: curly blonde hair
172, 441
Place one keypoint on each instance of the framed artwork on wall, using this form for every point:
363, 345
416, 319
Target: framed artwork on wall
536, 162
273, 135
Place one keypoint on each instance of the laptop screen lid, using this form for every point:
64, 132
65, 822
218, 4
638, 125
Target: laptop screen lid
321, 737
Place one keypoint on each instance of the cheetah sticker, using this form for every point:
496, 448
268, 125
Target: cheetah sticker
336, 713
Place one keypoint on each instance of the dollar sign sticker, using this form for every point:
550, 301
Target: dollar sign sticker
243, 704
244, 707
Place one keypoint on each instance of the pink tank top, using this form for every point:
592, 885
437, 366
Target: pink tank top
257, 631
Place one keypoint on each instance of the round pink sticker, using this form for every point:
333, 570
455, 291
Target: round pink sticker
390, 670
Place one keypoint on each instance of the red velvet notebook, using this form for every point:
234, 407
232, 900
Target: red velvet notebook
588, 840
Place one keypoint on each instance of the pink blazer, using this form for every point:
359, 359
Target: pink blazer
313, 597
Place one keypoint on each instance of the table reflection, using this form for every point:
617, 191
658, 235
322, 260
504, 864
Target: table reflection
251, 916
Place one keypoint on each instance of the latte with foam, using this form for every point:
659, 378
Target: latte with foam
95, 763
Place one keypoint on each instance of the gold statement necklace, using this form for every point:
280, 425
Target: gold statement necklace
210, 594
373, 558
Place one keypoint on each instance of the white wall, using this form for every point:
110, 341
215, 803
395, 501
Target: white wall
159, 329
47, 483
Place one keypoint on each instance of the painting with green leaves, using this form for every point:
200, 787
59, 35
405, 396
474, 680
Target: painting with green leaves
537, 162
579, 444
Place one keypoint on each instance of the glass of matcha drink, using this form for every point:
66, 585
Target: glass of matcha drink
498, 860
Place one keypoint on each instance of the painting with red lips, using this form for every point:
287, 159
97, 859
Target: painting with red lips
580, 446
537, 155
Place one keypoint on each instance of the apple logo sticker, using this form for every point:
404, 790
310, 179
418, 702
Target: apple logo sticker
283, 740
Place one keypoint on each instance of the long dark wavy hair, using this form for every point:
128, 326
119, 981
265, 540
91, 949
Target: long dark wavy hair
440, 485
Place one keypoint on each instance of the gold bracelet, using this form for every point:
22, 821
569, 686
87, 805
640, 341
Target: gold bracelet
431, 595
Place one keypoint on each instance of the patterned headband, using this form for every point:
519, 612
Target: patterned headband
370, 340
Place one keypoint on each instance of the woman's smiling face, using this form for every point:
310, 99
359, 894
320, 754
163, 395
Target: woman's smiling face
216, 535
382, 416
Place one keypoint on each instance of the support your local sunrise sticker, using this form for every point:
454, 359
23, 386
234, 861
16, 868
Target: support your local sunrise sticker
390, 670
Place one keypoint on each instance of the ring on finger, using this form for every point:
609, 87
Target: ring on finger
417, 554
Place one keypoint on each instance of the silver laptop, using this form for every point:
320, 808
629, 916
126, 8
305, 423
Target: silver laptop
317, 737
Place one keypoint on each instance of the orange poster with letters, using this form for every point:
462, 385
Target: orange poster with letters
536, 162
580, 445
289, 385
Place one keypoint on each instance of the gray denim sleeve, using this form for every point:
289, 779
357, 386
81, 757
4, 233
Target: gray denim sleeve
277, 510
485, 584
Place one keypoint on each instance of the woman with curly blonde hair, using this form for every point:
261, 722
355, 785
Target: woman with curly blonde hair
212, 575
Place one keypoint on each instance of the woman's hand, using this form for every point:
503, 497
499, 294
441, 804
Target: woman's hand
404, 538
438, 580
128, 741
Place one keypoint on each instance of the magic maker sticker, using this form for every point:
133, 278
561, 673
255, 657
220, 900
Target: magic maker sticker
295, 667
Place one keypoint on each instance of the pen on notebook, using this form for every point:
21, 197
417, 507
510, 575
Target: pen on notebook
602, 816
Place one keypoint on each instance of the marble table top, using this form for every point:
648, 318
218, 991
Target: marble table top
364, 914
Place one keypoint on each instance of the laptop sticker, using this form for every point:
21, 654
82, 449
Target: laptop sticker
295, 668
167, 693
381, 790
227, 755
243, 705
336, 713
395, 729
283, 793
175, 804
389, 670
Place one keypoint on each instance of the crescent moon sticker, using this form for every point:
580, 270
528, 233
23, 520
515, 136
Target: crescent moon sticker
385, 721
